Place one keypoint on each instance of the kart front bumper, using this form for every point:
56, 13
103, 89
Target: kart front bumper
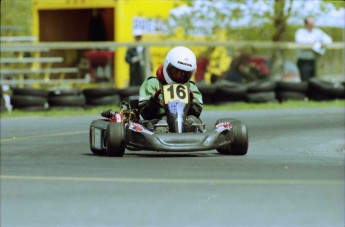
177, 142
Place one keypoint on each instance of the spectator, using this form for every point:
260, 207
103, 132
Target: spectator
201, 66
306, 58
135, 57
97, 27
240, 69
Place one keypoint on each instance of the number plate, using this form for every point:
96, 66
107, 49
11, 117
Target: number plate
96, 138
174, 92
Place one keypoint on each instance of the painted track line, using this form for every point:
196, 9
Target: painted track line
13, 139
175, 180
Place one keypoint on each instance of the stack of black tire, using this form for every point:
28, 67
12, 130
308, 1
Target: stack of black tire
321, 90
29, 99
261, 91
291, 91
129, 91
207, 92
226, 91
61, 98
102, 96
221, 91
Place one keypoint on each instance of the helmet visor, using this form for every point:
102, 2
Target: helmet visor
178, 75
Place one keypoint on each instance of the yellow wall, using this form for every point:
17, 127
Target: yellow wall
124, 11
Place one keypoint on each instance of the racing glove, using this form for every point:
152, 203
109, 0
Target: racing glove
149, 110
195, 109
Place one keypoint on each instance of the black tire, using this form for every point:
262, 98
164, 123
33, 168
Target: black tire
261, 97
30, 91
64, 92
261, 86
67, 101
103, 124
31, 108
227, 91
239, 145
208, 91
129, 91
290, 95
230, 94
106, 100
301, 87
100, 92
21, 101
326, 89
115, 140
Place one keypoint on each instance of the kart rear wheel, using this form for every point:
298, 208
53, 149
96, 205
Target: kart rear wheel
115, 140
239, 145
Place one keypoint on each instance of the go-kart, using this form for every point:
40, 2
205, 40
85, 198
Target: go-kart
125, 129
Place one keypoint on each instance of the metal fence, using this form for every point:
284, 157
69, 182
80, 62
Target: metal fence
330, 65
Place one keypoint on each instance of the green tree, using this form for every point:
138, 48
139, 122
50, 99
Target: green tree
248, 20
16, 17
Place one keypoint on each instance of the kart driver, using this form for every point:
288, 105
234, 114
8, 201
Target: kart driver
178, 67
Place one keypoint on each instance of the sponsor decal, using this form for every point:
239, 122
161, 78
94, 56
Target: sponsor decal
118, 117
183, 63
150, 25
223, 126
97, 138
175, 106
139, 128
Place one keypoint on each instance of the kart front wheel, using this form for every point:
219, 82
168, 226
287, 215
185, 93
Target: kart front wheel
239, 145
115, 140
96, 136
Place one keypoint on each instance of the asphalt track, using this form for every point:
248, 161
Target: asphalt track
293, 175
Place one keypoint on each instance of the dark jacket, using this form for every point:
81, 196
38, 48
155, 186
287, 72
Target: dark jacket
136, 70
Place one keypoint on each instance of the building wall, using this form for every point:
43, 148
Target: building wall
126, 14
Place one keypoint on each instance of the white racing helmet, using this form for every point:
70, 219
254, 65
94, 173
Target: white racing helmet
179, 65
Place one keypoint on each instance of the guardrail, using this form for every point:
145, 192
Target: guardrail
31, 60
45, 82
18, 38
112, 45
39, 71
46, 46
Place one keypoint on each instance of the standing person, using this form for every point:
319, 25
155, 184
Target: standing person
306, 58
135, 57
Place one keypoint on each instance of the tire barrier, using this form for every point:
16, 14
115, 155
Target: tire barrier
30, 91
261, 97
321, 90
28, 102
229, 92
64, 97
29, 99
290, 95
207, 90
291, 91
67, 101
129, 91
218, 93
261, 91
105, 100
102, 96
